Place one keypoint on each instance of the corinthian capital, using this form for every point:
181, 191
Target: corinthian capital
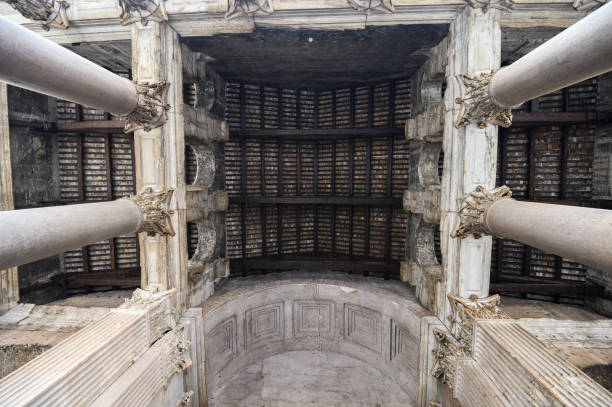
150, 112
446, 355
477, 105
50, 13
155, 212
142, 10
467, 311
473, 210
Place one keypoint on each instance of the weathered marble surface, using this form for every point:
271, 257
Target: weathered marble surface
375, 321
313, 378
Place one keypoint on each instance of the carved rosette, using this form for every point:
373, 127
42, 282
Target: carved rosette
155, 212
473, 211
446, 355
477, 106
50, 13
467, 311
142, 10
485, 5
236, 8
369, 6
150, 112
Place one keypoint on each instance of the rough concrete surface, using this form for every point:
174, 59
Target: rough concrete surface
310, 378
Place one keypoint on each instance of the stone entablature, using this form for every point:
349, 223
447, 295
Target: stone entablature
490, 360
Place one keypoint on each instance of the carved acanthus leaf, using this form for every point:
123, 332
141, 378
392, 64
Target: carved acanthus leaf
368, 6
588, 5
446, 355
478, 106
50, 13
151, 109
473, 210
467, 311
236, 8
485, 5
155, 212
142, 10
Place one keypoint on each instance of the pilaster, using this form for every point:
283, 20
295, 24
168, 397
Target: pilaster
160, 156
470, 154
9, 282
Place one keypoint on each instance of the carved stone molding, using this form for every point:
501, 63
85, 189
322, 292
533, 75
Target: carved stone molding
473, 211
155, 212
467, 311
426, 203
142, 10
368, 6
50, 13
485, 5
426, 126
236, 8
588, 5
205, 165
446, 355
150, 112
160, 307
477, 105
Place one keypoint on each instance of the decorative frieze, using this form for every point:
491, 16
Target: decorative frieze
236, 8
50, 13
150, 112
155, 212
369, 6
485, 5
142, 10
477, 105
473, 211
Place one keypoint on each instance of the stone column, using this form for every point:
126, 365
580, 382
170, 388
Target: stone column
160, 156
33, 234
31, 61
470, 155
580, 234
580, 52
9, 282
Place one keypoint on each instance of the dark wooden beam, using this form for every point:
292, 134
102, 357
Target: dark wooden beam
561, 288
316, 263
533, 119
316, 200
316, 134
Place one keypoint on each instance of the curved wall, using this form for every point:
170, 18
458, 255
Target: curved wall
372, 320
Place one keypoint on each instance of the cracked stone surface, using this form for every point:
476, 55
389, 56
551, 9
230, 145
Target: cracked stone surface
305, 378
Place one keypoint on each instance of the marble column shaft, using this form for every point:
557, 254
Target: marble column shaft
33, 62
